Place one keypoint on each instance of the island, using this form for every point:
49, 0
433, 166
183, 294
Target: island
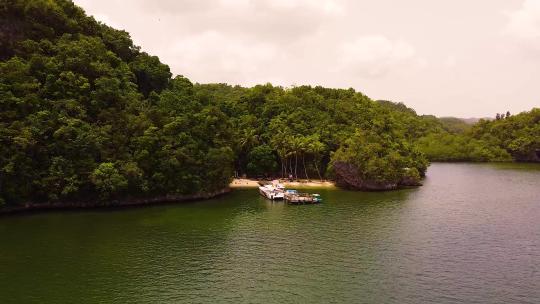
87, 118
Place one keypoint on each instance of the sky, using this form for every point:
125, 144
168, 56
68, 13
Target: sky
458, 58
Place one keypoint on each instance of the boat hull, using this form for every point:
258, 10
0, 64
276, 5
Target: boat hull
271, 194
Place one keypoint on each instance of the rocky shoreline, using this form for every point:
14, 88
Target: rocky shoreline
128, 202
347, 177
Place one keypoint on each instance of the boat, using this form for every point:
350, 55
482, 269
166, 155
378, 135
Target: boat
292, 196
317, 198
273, 192
276, 191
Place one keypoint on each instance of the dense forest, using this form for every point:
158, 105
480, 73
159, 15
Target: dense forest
505, 138
85, 115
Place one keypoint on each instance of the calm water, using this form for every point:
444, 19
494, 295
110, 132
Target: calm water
471, 234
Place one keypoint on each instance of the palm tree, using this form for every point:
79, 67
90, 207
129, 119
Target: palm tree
304, 148
249, 138
317, 148
295, 146
279, 144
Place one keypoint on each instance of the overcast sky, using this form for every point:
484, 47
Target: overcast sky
449, 58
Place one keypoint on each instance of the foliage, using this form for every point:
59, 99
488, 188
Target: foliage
85, 115
457, 147
262, 161
518, 134
379, 158
303, 125
108, 180
455, 125
505, 138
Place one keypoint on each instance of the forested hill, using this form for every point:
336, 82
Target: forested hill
519, 134
85, 115
299, 132
505, 138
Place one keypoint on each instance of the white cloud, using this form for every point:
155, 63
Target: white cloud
105, 19
377, 55
283, 20
214, 57
524, 23
450, 61
325, 6
248, 41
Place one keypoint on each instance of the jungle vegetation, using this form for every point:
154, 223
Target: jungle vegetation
505, 138
87, 115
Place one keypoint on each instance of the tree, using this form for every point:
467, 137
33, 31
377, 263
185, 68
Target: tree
262, 161
316, 148
373, 161
304, 148
83, 109
108, 180
151, 74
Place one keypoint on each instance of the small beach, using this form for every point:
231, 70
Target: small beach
301, 183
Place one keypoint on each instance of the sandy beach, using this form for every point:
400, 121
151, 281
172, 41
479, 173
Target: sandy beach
251, 183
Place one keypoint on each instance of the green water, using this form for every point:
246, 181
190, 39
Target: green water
471, 234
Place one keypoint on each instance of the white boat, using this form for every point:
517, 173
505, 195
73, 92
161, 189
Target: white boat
273, 192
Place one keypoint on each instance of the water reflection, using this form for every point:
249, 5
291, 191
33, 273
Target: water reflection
470, 234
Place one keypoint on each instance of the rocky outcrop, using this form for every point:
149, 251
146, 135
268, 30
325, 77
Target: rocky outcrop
116, 203
533, 156
410, 181
348, 177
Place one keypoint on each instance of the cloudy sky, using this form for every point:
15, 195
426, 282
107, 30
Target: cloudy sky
449, 58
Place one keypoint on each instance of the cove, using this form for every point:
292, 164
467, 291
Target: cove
471, 234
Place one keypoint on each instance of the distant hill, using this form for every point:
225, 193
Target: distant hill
459, 125
474, 120
455, 125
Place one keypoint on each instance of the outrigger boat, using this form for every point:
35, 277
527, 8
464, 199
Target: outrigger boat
294, 197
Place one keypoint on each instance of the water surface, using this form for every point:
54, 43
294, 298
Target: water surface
471, 234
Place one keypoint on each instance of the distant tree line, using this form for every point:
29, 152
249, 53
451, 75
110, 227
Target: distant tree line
506, 138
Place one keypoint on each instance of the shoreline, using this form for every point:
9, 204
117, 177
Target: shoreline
237, 183
125, 203
301, 183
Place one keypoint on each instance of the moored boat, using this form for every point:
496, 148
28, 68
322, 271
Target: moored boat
276, 191
271, 192
294, 197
